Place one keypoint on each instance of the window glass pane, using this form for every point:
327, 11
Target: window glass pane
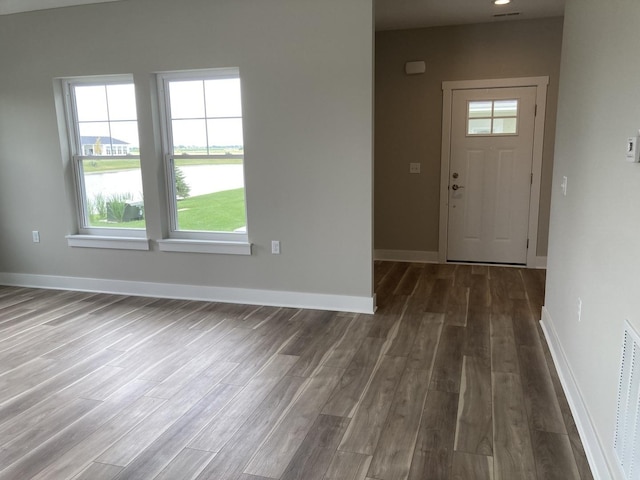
505, 108
223, 97
479, 109
125, 135
93, 138
505, 125
113, 193
110, 188
479, 126
210, 195
187, 99
97, 129
206, 117
189, 136
91, 103
121, 100
225, 135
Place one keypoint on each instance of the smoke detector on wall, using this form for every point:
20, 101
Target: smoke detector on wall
415, 68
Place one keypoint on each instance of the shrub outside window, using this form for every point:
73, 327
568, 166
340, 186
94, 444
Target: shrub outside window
103, 130
204, 154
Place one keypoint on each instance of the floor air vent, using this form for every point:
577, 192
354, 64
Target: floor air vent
627, 435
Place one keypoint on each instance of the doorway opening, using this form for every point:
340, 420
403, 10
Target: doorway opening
492, 138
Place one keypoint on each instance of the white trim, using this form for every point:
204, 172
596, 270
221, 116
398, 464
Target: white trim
445, 159
204, 246
416, 256
340, 303
538, 138
592, 446
116, 243
541, 262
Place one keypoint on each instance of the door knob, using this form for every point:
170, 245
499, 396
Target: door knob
456, 187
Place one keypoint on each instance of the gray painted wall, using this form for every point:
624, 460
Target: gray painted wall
307, 96
409, 115
594, 231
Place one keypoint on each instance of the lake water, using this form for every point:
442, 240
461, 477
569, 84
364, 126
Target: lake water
201, 179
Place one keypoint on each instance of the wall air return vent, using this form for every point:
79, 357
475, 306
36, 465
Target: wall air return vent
626, 442
511, 14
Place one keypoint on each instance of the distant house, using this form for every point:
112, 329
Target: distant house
93, 145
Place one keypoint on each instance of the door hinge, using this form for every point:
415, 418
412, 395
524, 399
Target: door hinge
532, 179
535, 112
527, 243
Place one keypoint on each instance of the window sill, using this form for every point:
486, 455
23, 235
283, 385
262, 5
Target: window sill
204, 246
117, 243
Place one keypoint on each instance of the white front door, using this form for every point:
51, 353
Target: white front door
490, 174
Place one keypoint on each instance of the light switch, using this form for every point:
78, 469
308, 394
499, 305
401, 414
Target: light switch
414, 168
633, 150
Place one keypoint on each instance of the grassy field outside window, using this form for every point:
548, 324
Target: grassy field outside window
219, 211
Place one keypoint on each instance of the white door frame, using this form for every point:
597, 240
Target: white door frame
541, 84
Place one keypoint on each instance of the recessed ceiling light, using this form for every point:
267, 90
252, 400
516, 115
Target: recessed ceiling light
501, 2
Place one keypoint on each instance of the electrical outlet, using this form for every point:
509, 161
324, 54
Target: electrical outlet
414, 168
275, 247
36, 236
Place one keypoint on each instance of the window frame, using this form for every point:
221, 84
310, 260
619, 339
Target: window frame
492, 118
87, 235
193, 240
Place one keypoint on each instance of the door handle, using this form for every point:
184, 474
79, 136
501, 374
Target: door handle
456, 187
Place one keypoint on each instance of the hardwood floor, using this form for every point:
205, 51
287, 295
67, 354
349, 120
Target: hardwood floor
450, 379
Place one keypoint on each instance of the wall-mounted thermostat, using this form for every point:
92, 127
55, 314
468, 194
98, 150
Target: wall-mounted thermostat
633, 150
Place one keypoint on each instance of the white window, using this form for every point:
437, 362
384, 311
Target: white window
101, 117
204, 155
492, 117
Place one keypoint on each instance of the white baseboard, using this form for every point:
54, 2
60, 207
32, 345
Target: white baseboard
341, 303
406, 256
592, 446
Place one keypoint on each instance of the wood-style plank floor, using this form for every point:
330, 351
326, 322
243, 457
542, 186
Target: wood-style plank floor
450, 379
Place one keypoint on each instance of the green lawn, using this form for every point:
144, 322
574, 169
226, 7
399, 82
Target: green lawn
102, 166
220, 212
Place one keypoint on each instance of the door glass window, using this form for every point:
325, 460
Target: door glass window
492, 117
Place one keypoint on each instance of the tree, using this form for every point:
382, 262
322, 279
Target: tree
97, 147
182, 187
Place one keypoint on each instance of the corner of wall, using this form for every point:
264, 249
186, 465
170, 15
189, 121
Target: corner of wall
586, 427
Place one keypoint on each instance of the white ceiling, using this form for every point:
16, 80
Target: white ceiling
390, 14
399, 14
